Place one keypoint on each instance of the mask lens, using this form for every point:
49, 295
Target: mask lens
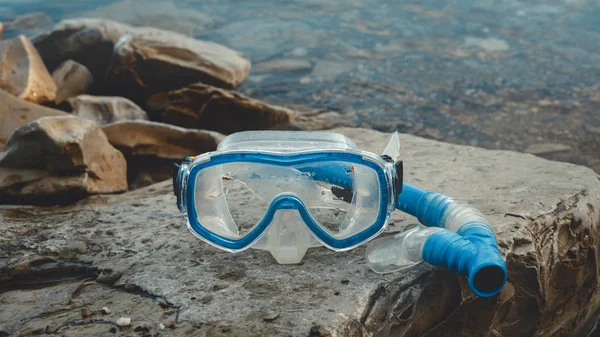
348, 201
232, 198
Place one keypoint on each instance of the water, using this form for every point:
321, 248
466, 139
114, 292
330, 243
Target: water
497, 74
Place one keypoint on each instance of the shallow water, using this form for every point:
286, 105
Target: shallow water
497, 74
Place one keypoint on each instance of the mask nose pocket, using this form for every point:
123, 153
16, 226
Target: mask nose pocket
288, 238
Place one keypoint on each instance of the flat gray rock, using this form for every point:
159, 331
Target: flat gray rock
544, 213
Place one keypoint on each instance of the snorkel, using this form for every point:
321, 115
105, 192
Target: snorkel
452, 234
286, 191
457, 237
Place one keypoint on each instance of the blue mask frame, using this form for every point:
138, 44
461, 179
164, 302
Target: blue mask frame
333, 174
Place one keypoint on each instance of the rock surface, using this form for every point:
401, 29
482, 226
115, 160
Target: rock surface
15, 112
143, 138
87, 41
75, 153
71, 79
159, 14
151, 148
545, 215
149, 60
206, 107
104, 110
22, 71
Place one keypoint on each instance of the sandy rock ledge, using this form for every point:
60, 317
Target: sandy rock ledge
546, 216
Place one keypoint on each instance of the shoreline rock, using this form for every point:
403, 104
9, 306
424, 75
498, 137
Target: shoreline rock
86, 41
23, 72
144, 138
15, 112
75, 153
205, 107
147, 61
72, 79
104, 110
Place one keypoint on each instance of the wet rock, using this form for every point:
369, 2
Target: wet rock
328, 70
281, 65
206, 107
86, 41
546, 148
75, 153
106, 109
159, 14
15, 112
489, 44
544, 213
23, 73
29, 21
160, 140
148, 61
71, 79
266, 37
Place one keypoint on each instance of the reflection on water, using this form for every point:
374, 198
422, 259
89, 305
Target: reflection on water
511, 74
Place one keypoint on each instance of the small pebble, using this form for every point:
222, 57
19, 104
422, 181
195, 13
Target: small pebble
161, 326
345, 281
85, 313
206, 299
124, 321
141, 328
130, 287
163, 304
108, 277
169, 312
105, 310
270, 317
170, 325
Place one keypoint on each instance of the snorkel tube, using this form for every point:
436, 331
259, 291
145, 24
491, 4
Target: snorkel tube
457, 237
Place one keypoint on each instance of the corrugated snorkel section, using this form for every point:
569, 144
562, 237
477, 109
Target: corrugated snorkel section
468, 245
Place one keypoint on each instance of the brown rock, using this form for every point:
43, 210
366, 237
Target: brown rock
75, 153
104, 110
205, 107
143, 138
22, 71
87, 41
71, 79
9, 177
151, 148
15, 112
149, 60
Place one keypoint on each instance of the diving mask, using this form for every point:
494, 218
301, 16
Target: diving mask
287, 191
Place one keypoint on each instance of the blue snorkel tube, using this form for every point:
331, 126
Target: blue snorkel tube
457, 237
